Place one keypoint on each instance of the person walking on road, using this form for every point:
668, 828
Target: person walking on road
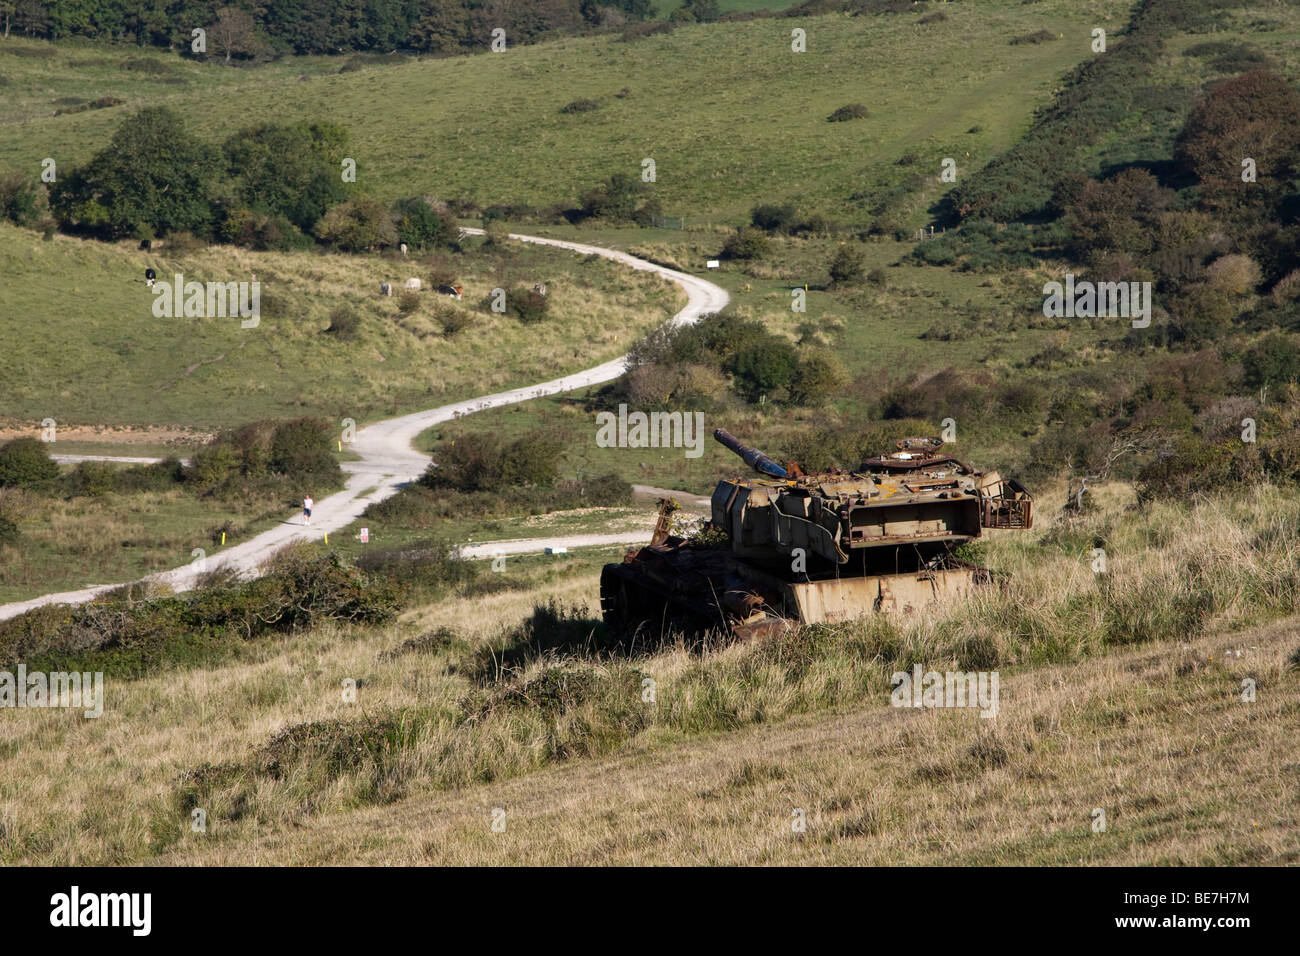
307, 504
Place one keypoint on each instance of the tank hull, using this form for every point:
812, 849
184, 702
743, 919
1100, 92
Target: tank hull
680, 588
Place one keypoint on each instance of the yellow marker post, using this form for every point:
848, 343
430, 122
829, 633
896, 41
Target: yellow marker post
223, 539
340, 444
327, 537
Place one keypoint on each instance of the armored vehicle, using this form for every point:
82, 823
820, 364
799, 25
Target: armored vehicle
787, 548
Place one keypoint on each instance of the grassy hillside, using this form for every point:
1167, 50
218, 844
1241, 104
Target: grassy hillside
725, 132
86, 347
482, 700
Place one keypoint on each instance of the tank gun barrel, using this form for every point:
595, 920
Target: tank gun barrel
751, 456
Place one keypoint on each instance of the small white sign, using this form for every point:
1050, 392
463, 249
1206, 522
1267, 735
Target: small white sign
365, 535
713, 264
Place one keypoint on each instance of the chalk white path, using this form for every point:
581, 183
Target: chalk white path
387, 459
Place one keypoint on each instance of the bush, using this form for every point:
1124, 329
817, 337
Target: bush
358, 225
818, 377
408, 300
773, 218
1038, 36
91, 479
25, 461
421, 225
527, 304
1273, 360
9, 533
268, 453
345, 323
581, 105
452, 319
848, 112
762, 367
303, 450
23, 199
489, 463
619, 198
849, 264
747, 243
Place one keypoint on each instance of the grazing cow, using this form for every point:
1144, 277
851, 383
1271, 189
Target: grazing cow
454, 291
385, 288
413, 284
540, 288
146, 245
149, 277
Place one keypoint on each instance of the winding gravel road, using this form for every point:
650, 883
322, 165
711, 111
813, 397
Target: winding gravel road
388, 461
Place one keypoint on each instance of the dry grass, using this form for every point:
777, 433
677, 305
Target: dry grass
1185, 771
1116, 694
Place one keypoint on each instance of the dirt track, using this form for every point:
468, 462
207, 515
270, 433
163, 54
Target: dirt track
387, 459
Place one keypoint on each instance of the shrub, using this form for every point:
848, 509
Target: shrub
1233, 274
421, 225
9, 533
452, 319
762, 367
1260, 108
618, 198
345, 323
817, 378
849, 264
773, 218
25, 461
408, 300
302, 449
746, 243
91, 479
1038, 36
358, 225
1273, 360
581, 105
23, 199
848, 112
489, 463
527, 304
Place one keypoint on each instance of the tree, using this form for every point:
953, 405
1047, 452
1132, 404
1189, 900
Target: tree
291, 171
616, 198
1253, 116
422, 226
152, 179
358, 225
25, 461
234, 32
1121, 214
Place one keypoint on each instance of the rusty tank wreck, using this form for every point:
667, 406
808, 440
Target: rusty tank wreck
783, 548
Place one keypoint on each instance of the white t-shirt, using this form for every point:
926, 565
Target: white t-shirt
306, 504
